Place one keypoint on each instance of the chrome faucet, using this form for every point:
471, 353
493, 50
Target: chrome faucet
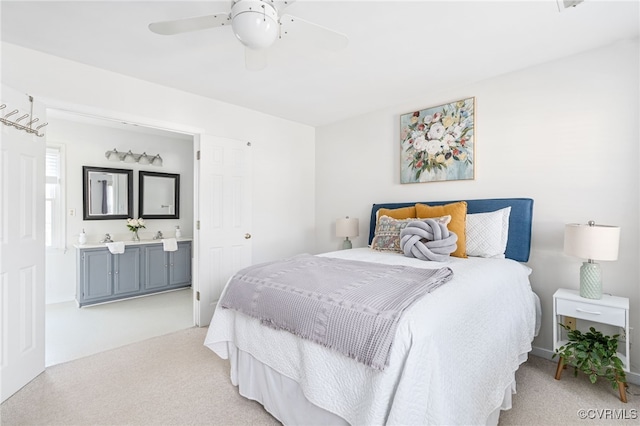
158, 236
107, 239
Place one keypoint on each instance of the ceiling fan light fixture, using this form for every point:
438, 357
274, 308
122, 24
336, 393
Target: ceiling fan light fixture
255, 23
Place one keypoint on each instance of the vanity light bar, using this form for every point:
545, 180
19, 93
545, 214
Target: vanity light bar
131, 157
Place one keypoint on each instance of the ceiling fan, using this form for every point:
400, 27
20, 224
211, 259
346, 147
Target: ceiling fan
258, 24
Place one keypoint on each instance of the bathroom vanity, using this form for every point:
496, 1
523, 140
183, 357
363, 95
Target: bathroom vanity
144, 268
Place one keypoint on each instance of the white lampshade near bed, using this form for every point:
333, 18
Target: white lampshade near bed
347, 227
592, 242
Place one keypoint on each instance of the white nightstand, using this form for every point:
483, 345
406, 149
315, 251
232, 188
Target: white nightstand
609, 310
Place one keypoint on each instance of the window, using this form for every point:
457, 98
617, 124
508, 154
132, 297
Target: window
54, 198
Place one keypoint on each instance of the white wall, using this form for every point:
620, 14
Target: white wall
283, 151
565, 133
85, 145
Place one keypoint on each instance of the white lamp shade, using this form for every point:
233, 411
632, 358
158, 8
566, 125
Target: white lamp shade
347, 227
255, 23
597, 242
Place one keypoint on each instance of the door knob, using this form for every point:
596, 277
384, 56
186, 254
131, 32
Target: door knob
247, 236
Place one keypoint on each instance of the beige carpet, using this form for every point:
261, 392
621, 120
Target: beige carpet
175, 380
166, 380
542, 400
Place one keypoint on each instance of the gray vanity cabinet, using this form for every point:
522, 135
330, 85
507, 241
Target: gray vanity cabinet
155, 267
180, 265
95, 275
104, 276
126, 271
167, 269
141, 269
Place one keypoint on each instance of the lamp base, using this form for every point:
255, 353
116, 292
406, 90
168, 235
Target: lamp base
590, 281
347, 244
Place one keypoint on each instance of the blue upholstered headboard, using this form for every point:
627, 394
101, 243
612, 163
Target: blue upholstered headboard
519, 242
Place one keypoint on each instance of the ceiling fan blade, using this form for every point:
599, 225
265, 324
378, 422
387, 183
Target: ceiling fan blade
190, 24
308, 32
255, 60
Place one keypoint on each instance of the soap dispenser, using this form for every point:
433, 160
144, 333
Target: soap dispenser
178, 232
82, 238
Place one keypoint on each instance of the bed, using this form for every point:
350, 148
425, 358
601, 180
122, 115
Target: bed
454, 355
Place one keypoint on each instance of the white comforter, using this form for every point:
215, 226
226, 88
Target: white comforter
452, 360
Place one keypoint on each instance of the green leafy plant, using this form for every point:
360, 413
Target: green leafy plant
594, 354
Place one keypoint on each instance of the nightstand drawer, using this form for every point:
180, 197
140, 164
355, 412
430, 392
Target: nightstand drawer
587, 311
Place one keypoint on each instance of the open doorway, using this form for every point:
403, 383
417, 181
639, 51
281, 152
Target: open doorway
73, 332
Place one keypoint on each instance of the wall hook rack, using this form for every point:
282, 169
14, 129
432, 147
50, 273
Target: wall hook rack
16, 123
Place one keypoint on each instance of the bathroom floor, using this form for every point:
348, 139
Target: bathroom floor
73, 332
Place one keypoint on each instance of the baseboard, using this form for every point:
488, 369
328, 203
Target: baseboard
633, 378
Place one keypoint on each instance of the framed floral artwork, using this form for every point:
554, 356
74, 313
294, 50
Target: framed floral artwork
437, 143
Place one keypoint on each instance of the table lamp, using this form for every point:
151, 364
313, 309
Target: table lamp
592, 242
347, 228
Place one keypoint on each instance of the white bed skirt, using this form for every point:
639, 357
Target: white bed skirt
283, 398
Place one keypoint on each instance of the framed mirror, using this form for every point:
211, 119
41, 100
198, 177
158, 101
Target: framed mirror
107, 193
159, 195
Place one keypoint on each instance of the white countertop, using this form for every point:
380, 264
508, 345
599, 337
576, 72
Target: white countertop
126, 243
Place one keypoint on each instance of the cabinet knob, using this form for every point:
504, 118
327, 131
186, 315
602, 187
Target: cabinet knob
247, 236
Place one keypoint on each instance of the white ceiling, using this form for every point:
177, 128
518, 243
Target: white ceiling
398, 51
92, 120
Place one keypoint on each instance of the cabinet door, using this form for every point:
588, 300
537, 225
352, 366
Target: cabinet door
180, 265
97, 279
127, 271
156, 267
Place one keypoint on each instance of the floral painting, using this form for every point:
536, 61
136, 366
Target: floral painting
437, 143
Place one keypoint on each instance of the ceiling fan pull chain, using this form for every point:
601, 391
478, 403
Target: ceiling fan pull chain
264, 12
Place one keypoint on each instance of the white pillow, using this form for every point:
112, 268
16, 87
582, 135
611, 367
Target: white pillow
487, 233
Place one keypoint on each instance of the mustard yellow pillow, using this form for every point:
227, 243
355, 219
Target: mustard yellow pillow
458, 213
400, 213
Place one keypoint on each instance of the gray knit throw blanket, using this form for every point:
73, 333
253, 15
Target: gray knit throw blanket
350, 306
427, 240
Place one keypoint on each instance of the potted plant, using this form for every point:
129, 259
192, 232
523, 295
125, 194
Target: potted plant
594, 354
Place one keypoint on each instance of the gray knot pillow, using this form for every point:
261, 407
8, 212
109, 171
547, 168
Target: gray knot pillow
427, 240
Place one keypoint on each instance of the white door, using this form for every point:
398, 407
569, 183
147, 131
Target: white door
21, 248
224, 213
